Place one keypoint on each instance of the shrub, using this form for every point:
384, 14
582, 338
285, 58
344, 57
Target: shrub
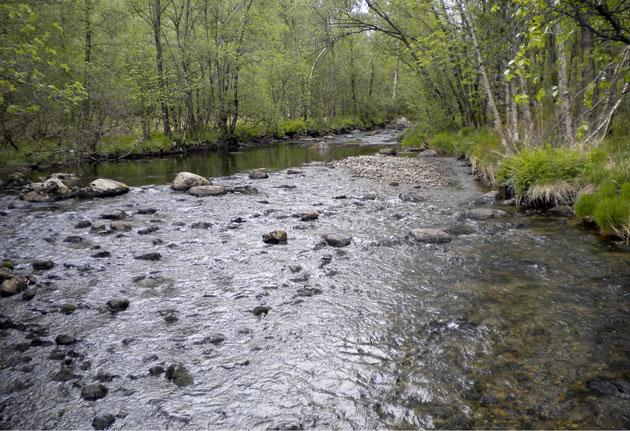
554, 169
414, 138
291, 127
612, 215
485, 153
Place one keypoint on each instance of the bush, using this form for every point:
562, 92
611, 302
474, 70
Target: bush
612, 215
291, 127
585, 207
546, 175
414, 138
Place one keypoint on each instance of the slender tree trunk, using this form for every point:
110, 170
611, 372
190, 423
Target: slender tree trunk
87, 57
563, 87
528, 129
498, 126
157, 35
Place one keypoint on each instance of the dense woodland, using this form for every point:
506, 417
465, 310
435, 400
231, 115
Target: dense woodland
486, 79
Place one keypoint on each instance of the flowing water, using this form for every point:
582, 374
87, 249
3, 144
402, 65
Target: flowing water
521, 321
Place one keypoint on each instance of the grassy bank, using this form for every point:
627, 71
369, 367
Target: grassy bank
594, 182
132, 146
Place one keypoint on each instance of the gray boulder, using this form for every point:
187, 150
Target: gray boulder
427, 153
102, 188
185, 180
258, 174
13, 286
336, 240
50, 190
484, 213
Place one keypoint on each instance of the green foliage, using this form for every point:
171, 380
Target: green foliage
414, 138
612, 215
585, 207
540, 167
291, 127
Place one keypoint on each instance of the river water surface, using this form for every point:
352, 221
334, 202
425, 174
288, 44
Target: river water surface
521, 321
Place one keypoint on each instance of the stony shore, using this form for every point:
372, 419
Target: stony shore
428, 171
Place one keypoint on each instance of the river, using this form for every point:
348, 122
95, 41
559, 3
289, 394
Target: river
518, 322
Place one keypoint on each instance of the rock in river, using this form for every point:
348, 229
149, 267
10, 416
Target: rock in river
52, 189
258, 174
429, 235
43, 265
120, 226
276, 237
102, 188
153, 256
65, 339
93, 392
336, 240
203, 191
484, 213
309, 215
179, 375
104, 421
116, 305
185, 180
13, 286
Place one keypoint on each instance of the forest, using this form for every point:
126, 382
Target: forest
483, 79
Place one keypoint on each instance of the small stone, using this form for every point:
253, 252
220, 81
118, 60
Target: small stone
309, 215
260, 310
74, 239
28, 294
147, 211
561, 211
294, 172
83, 224
179, 375
278, 236
120, 226
427, 153
156, 371
295, 268
114, 215
201, 225
117, 305
92, 392
388, 151
65, 339
68, 308
308, 291
336, 240
102, 422
258, 174
411, 197
484, 213
430, 235
43, 265
102, 254
153, 256
148, 230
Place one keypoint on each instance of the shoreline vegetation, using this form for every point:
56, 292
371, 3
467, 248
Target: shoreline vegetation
115, 148
593, 184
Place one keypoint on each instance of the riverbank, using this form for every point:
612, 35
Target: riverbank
592, 184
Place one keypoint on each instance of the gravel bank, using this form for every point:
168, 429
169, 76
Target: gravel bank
403, 170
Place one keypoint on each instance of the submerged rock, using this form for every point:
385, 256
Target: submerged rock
179, 375
67, 308
278, 236
120, 226
203, 191
427, 153
103, 422
83, 224
43, 265
185, 180
92, 392
336, 240
484, 213
148, 230
260, 310
561, 211
411, 197
102, 188
258, 174
294, 172
117, 305
114, 215
65, 339
388, 151
153, 256
429, 235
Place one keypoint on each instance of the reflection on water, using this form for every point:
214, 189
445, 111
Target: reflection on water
275, 156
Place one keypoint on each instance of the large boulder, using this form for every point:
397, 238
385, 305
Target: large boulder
278, 236
102, 188
52, 189
429, 235
185, 180
203, 191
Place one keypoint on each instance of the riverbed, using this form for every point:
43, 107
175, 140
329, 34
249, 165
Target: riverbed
517, 322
